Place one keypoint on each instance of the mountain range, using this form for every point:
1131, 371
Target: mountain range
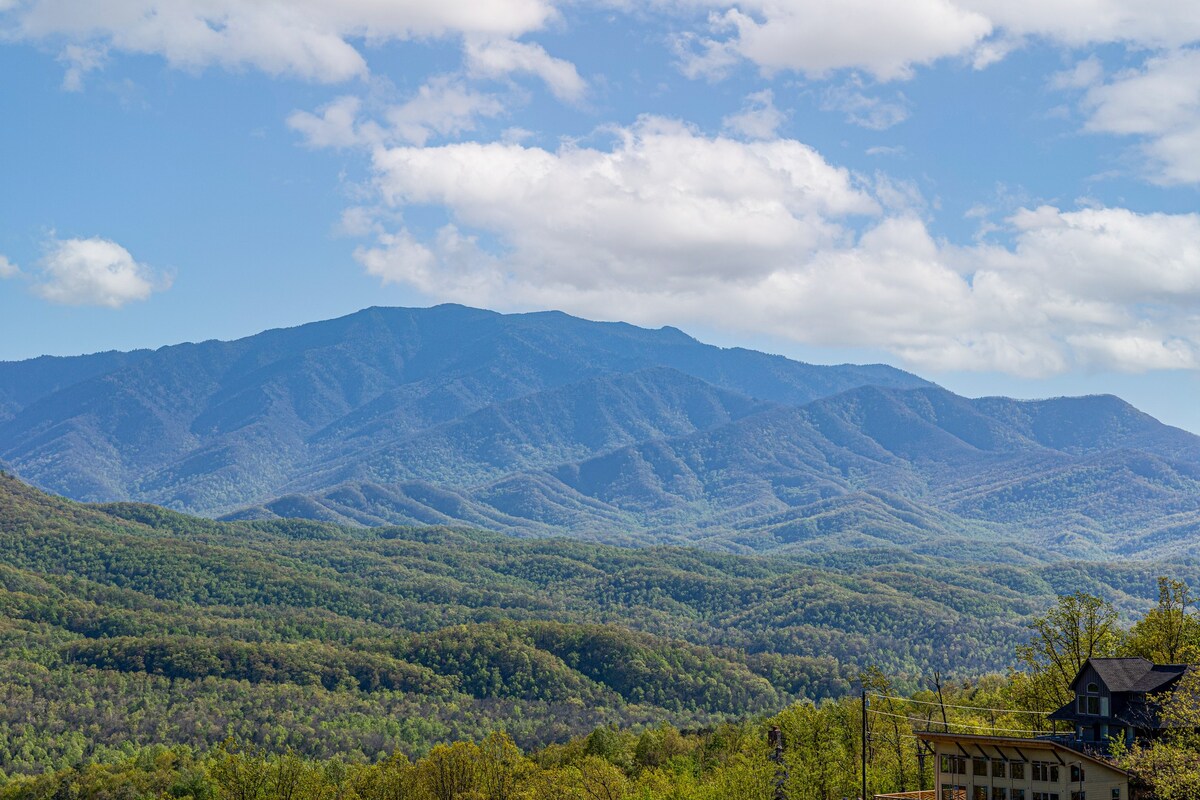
538, 424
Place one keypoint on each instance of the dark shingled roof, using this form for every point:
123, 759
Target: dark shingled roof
1134, 674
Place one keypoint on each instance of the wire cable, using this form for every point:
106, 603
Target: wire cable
948, 705
955, 724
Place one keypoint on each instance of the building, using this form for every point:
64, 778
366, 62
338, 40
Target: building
1118, 699
1112, 700
970, 767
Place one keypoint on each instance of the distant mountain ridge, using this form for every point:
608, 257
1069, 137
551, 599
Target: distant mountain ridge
545, 423
210, 426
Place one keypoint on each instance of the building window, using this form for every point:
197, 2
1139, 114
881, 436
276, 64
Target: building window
998, 769
1116, 793
1018, 794
1078, 796
999, 793
1017, 770
1045, 771
952, 792
979, 793
1077, 773
954, 765
1088, 702
979, 767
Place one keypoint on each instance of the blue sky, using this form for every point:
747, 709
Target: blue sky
1000, 196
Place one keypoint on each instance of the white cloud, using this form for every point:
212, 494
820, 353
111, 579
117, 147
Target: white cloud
864, 110
758, 119
358, 221
95, 272
442, 107
1141, 23
888, 39
335, 125
1161, 104
80, 60
7, 268
309, 39
667, 224
664, 202
399, 258
994, 50
497, 58
1085, 73
323, 41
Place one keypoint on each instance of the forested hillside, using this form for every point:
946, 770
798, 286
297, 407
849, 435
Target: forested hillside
823, 752
920, 468
129, 623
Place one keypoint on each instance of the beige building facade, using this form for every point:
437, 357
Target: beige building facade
999, 768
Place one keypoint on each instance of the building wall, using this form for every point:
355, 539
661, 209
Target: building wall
1099, 782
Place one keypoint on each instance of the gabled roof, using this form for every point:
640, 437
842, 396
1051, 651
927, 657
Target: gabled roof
1159, 676
1133, 674
981, 742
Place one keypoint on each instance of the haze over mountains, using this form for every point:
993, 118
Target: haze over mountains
545, 423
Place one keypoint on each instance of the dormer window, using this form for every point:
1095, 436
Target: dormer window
1088, 701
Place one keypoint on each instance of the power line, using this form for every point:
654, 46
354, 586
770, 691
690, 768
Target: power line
955, 724
969, 708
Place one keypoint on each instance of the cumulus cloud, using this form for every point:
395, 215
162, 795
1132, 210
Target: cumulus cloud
323, 41
1075, 23
492, 58
95, 272
888, 40
1160, 104
758, 119
309, 39
664, 201
768, 237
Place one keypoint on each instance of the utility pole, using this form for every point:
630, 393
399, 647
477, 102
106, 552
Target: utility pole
864, 741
